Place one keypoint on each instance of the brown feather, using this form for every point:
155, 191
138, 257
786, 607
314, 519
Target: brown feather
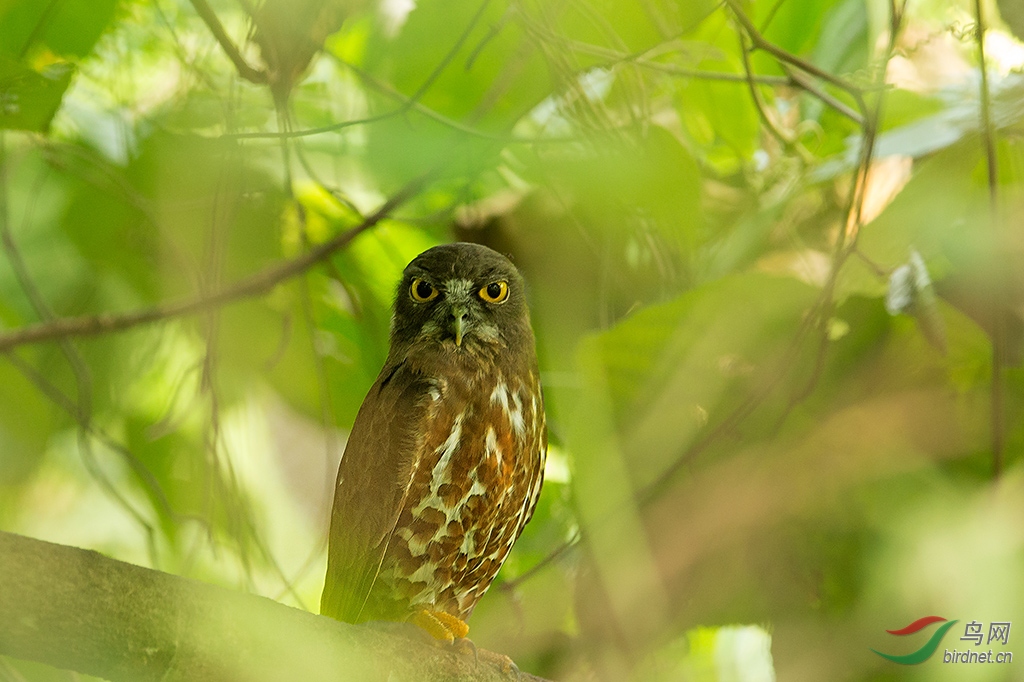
376, 465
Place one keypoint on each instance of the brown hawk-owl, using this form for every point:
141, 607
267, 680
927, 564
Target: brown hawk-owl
445, 461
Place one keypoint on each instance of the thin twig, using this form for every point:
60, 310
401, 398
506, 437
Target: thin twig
245, 70
998, 321
82, 408
800, 80
723, 76
643, 58
551, 557
284, 119
638, 58
409, 103
788, 60
846, 242
771, 15
249, 287
58, 398
818, 319
785, 140
782, 55
406, 106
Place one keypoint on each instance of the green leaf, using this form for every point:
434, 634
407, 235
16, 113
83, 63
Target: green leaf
842, 46
356, 313
795, 25
27, 421
479, 55
626, 27
932, 126
66, 27
28, 100
941, 212
720, 117
100, 226
673, 368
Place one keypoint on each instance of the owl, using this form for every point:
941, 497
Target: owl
445, 460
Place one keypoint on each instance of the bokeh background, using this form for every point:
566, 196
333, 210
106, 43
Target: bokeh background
773, 251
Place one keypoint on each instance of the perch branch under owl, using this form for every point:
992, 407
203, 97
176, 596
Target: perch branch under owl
79, 610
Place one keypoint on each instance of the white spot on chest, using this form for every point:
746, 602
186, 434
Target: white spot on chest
440, 473
511, 404
491, 446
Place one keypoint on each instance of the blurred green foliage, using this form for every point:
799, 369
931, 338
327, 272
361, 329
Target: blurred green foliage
755, 468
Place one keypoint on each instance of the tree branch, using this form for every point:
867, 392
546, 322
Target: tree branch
782, 55
254, 285
245, 70
789, 61
78, 610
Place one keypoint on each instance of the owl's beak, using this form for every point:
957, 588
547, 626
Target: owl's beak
459, 316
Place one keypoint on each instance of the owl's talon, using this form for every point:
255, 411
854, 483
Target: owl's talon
466, 647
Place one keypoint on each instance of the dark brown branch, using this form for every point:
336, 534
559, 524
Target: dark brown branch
255, 285
762, 43
801, 81
79, 610
787, 141
245, 70
791, 60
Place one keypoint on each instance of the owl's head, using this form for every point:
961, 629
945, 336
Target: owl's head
460, 298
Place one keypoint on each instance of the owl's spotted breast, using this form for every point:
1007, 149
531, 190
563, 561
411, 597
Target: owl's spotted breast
474, 487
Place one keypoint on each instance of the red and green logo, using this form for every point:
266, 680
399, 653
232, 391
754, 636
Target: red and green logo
922, 654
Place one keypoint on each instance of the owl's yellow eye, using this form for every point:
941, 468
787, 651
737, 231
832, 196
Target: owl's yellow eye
422, 291
495, 292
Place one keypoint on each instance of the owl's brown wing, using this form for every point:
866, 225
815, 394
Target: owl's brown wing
372, 484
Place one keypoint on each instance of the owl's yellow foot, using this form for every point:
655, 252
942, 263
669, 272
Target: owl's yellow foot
440, 625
